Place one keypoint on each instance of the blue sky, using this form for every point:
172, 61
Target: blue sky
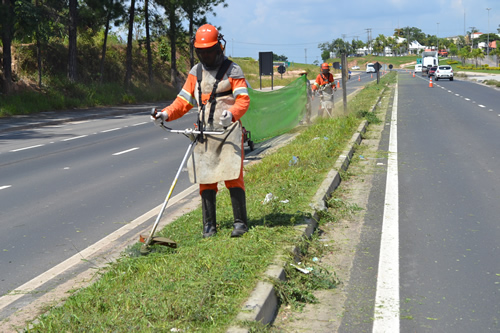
294, 28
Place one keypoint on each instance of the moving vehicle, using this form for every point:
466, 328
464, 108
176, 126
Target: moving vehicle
444, 72
429, 59
355, 67
443, 53
418, 68
431, 71
370, 68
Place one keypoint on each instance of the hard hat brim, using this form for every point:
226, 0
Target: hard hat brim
204, 45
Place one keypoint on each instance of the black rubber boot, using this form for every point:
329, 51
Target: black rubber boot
239, 204
209, 215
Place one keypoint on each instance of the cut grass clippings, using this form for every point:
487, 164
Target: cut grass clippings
201, 285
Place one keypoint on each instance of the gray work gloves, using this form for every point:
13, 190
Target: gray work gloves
159, 117
226, 119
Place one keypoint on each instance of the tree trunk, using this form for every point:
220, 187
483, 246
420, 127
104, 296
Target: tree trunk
6, 42
191, 34
172, 36
128, 71
38, 52
72, 50
148, 43
105, 42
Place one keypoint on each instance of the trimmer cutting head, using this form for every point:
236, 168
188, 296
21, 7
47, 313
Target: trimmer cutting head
145, 249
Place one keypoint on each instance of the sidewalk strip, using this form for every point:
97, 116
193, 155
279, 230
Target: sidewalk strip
386, 316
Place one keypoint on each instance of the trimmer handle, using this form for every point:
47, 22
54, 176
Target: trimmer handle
154, 113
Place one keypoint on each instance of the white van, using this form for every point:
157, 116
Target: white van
370, 68
418, 68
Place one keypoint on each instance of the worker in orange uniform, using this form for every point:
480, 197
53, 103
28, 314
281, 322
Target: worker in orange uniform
324, 83
221, 104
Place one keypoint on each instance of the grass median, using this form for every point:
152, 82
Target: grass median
200, 286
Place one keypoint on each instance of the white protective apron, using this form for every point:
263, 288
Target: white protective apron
218, 157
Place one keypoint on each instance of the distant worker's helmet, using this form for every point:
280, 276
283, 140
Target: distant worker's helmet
325, 66
206, 36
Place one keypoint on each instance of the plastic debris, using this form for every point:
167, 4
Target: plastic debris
315, 259
293, 161
268, 198
285, 201
303, 270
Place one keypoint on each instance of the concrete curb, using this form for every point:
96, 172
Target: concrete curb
263, 304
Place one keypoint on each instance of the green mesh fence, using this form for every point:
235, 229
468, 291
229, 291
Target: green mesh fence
275, 112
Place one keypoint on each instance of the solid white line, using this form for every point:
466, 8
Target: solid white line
386, 316
55, 271
111, 130
4, 187
13, 151
74, 138
125, 151
144, 122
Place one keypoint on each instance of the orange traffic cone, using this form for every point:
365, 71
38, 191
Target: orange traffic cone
338, 84
359, 77
413, 74
430, 83
371, 76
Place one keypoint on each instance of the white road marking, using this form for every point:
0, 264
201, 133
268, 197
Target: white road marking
144, 122
74, 138
111, 130
14, 150
4, 187
457, 95
467, 99
481, 106
125, 151
386, 316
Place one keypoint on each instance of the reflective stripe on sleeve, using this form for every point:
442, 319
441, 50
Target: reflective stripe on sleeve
240, 91
187, 97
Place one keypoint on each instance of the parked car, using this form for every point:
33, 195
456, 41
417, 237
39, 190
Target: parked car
354, 67
370, 68
444, 72
431, 71
418, 68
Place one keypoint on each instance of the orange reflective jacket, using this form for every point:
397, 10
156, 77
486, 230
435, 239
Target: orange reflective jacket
321, 80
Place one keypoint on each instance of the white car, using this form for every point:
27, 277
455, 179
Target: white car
370, 68
444, 72
354, 67
418, 68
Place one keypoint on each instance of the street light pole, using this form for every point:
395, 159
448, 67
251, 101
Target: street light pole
437, 36
488, 45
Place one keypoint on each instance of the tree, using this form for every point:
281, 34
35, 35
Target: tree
464, 53
72, 37
379, 44
279, 58
477, 53
128, 61
196, 11
7, 28
107, 11
495, 52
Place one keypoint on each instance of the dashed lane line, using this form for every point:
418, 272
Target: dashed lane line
125, 151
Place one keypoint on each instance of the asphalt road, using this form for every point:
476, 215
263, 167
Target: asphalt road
64, 187
445, 272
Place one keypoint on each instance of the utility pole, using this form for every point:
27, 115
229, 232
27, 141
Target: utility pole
305, 50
